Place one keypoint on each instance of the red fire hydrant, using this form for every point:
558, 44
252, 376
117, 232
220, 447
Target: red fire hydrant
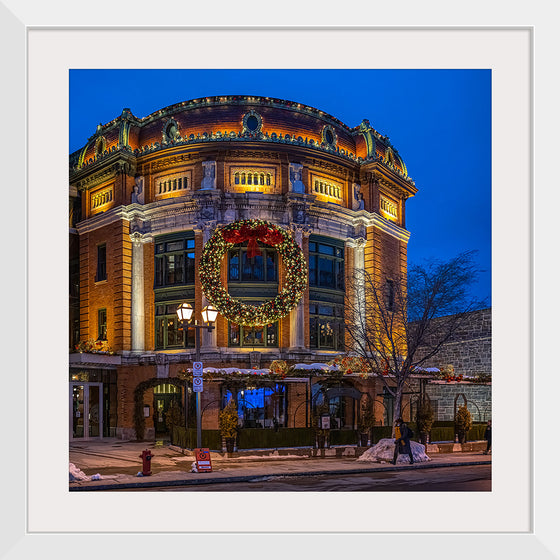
146, 462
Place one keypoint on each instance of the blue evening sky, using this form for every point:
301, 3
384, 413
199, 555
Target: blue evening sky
439, 121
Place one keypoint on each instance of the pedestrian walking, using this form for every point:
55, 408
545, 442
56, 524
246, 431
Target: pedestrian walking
488, 437
402, 441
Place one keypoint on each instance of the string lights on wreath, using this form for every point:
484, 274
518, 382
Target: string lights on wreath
253, 231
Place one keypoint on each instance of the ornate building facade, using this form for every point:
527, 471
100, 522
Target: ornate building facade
147, 194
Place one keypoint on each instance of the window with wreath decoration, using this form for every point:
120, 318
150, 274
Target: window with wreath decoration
225, 239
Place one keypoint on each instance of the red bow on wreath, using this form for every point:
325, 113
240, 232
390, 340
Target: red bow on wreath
260, 233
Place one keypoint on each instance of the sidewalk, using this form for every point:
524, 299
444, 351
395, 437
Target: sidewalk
118, 462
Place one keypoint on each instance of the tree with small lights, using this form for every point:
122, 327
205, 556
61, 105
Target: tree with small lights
388, 324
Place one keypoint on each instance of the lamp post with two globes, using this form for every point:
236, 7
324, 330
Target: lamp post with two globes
209, 315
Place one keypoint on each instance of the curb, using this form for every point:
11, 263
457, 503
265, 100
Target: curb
253, 477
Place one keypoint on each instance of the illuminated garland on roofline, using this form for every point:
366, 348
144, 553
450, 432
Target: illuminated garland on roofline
225, 238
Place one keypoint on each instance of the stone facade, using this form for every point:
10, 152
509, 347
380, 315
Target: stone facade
470, 350
445, 397
154, 189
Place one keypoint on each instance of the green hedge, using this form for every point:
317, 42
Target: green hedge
187, 438
343, 437
263, 438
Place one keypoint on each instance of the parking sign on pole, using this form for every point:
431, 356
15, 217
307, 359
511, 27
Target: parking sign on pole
198, 385
197, 369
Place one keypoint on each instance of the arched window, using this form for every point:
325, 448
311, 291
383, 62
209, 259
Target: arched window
237, 178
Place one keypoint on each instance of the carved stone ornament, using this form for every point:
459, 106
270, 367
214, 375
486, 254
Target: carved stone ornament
209, 175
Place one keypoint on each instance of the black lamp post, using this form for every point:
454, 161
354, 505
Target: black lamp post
209, 315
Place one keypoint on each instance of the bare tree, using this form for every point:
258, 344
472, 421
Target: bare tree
389, 320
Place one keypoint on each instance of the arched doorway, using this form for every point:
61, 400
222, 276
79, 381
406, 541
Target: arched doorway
165, 394
169, 392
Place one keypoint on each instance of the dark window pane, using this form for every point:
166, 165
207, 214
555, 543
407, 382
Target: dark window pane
313, 270
326, 249
101, 263
326, 273
313, 341
234, 334
174, 269
175, 246
259, 336
234, 265
248, 338
159, 271
271, 335
189, 268
160, 330
271, 266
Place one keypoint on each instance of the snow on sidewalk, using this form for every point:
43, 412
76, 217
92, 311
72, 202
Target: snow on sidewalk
384, 449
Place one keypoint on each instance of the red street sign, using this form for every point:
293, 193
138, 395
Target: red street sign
203, 461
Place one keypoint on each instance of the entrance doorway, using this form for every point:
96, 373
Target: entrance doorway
164, 395
86, 410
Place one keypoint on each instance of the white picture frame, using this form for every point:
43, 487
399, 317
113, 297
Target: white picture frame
42, 520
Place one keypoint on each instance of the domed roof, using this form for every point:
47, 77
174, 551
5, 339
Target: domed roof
238, 118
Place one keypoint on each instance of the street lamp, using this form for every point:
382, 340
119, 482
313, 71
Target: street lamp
209, 315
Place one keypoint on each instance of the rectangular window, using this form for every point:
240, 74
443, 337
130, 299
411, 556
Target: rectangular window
101, 273
326, 266
390, 295
234, 265
169, 331
253, 336
174, 263
326, 326
102, 324
261, 268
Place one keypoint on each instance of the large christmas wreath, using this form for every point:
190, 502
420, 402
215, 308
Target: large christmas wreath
222, 240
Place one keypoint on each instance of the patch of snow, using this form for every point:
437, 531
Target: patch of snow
384, 449
75, 474
139, 473
96, 476
194, 468
316, 366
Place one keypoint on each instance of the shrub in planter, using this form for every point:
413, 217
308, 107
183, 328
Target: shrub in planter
424, 419
174, 416
321, 435
365, 422
228, 421
463, 423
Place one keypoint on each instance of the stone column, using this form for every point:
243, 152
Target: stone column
297, 316
208, 340
137, 308
359, 246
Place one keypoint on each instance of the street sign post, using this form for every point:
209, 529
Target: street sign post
198, 384
198, 387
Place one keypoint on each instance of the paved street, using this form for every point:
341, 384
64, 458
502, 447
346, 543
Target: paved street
475, 478
118, 464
